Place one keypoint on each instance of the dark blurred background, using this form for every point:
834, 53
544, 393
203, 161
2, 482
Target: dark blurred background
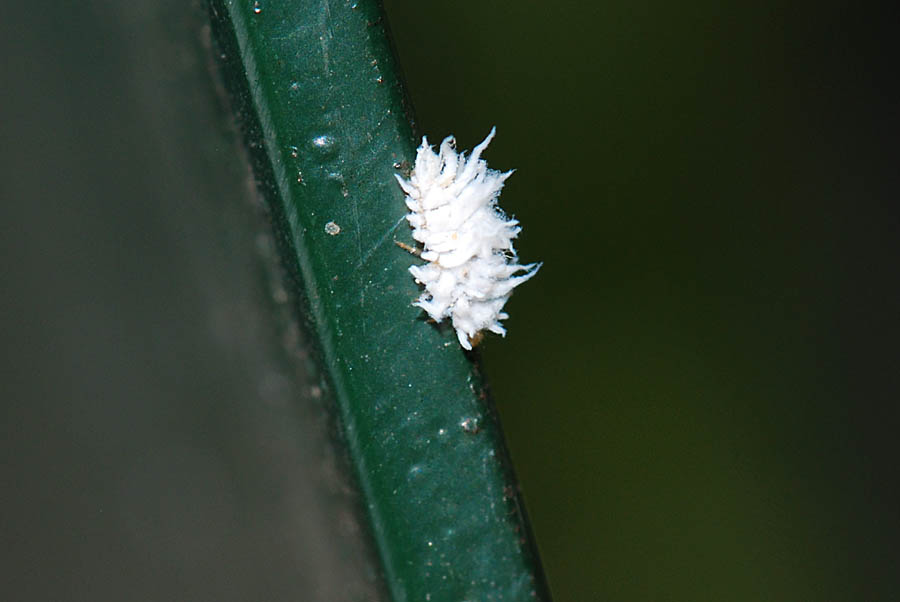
163, 435
699, 389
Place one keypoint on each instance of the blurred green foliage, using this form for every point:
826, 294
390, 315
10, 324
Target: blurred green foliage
700, 387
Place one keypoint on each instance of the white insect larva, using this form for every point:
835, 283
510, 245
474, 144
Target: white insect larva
466, 238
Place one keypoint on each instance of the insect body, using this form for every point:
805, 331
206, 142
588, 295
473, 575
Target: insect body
471, 265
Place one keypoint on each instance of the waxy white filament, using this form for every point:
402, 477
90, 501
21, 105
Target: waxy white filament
466, 238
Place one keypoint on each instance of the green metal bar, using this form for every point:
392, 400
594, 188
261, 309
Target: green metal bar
318, 90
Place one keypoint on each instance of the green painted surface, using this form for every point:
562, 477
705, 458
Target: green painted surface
317, 88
